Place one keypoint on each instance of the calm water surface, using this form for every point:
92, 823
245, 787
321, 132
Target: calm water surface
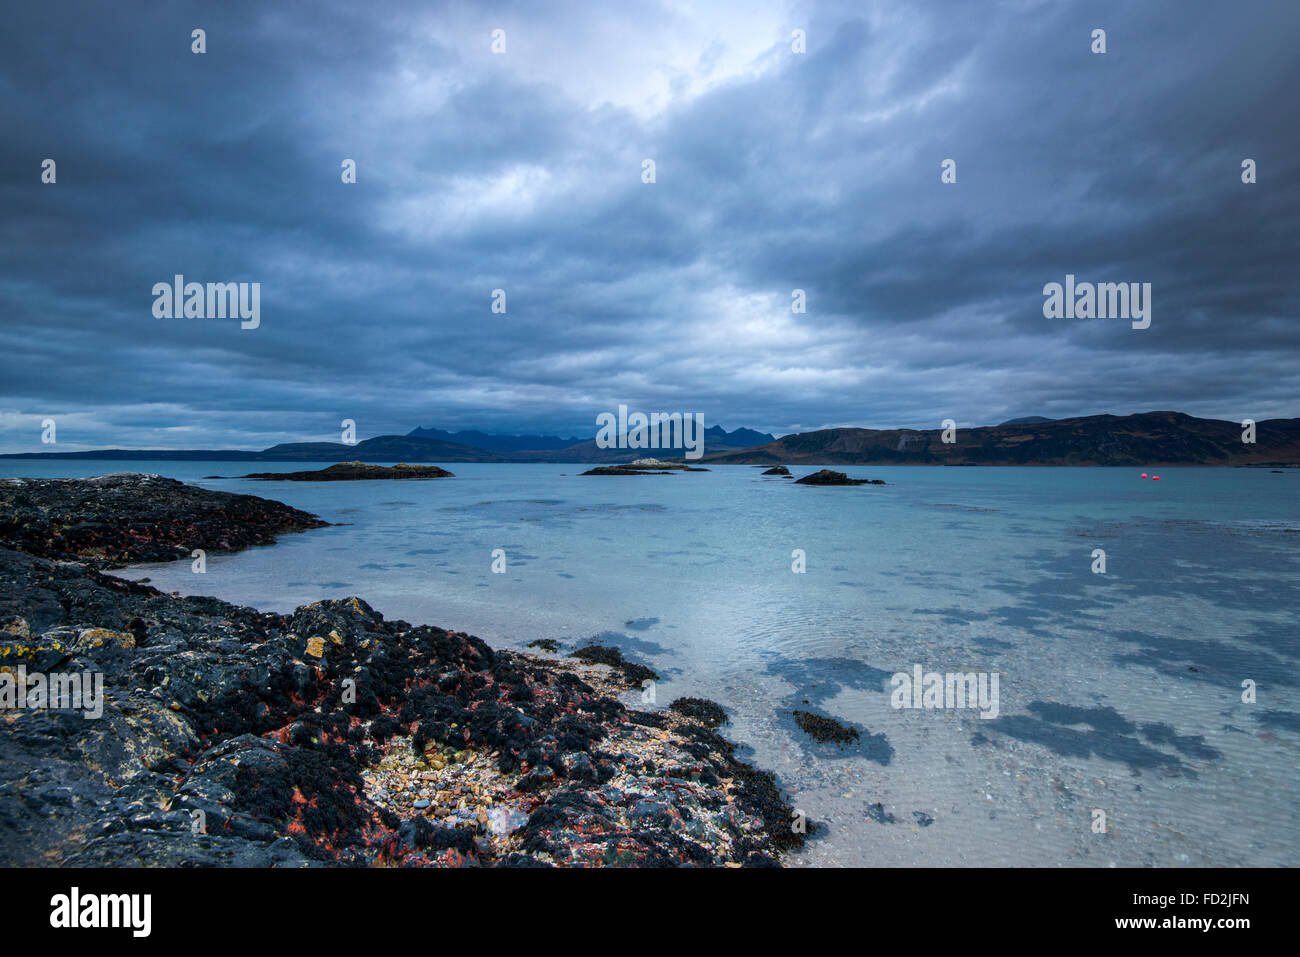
1118, 692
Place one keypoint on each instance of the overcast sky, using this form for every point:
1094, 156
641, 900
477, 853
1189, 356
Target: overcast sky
522, 171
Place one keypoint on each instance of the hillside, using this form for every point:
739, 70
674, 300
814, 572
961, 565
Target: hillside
1148, 438
382, 448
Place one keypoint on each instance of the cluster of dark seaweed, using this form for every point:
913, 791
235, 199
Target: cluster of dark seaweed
823, 728
701, 709
602, 655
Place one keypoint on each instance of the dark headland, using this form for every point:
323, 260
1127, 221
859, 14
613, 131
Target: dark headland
1148, 438
230, 736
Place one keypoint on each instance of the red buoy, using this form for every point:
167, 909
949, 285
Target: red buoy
1155, 478
1144, 474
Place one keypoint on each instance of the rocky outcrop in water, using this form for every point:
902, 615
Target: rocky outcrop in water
661, 464
829, 477
355, 472
644, 467
623, 470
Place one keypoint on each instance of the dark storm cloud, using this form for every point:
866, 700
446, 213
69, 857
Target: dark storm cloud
522, 171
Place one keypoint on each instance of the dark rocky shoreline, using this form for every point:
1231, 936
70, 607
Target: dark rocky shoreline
328, 737
130, 517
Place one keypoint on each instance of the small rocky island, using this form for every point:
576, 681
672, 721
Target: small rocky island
228, 736
829, 477
778, 470
644, 467
356, 471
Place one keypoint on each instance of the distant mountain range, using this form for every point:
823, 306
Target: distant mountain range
1027, 420
420, 445
715, 437
497, 443
1147, 438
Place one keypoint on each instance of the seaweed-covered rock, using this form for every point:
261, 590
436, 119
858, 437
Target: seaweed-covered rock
707, 712
602, 655
226, 736
823, 728
128, 516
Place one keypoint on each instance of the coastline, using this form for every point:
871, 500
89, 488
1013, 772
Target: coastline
329, 736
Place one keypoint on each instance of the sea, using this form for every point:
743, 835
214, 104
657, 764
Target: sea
1144, 635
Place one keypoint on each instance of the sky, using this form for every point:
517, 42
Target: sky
522, 169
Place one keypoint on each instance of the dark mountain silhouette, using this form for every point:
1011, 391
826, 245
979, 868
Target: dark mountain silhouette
1147, 438
409, 448
498, 443
716, 439
740, 438
382, 448
1027, 420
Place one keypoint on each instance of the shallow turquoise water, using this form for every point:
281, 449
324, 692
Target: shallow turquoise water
1119, 693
